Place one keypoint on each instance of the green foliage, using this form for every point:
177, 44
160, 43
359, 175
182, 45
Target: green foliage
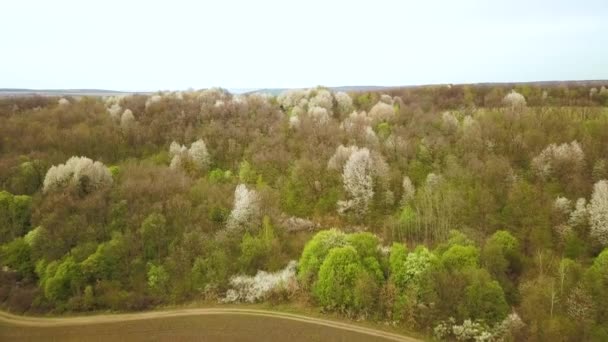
338, 276
485, 298
153, 232
398, 258
315, 252
17, 255
259, 252
158, 279
61, 279
247, 174
15, 214
459, 258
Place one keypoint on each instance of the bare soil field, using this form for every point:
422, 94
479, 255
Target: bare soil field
189, 325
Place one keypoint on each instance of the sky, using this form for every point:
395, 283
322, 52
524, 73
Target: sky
180, 44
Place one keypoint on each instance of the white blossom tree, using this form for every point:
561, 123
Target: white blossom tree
382, 111
514, 100
562, 205
127, 119
246, 209
567, 158
358, 183
199, 154
598, 212
449, 123
322, 99
340, 157
579, 216
344, 101
77, 171
408, 190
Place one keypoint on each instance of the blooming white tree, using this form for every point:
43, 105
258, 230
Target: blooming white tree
344, 101
598, 212
358, 183
449, 123
199, 154
340, 157
562, 205
382, 111
386, 99
565, 157
246, 209
579, 216
63, 102
152, 100
322, 99
433, 180
80, 171
319, 114
408, 190
514, 100
127, 119
114, 110
291, 98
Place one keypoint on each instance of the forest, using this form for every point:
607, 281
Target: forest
463, 212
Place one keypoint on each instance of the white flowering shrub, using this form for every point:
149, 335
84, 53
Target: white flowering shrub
514, 100
564, 157
297, 224
78, 171
259, 287
598, 212
246, 209
478, 331
63, 102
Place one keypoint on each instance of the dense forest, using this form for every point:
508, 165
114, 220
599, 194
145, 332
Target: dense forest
470, 213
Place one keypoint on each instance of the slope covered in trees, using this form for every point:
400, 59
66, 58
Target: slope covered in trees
463, 212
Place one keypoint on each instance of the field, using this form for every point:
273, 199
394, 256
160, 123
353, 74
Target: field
188, 325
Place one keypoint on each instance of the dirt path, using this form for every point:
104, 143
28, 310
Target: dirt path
25, 321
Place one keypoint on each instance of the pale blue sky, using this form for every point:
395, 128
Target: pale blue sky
152, 45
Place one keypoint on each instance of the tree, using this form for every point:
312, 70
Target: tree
314, 254
358, 183
82, 172
485, 298
338, 278
246, 209
598, 212
154, 234
514, 100
127, 119
397, 264
458, 258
